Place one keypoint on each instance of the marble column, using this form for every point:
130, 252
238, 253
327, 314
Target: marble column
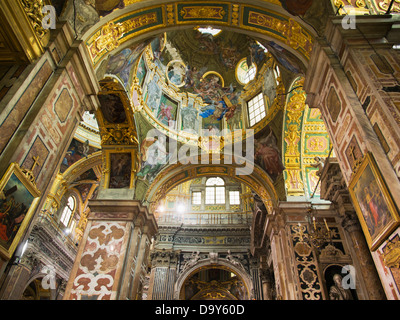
367, 267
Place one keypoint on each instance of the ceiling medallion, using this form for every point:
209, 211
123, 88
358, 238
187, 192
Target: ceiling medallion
176, 73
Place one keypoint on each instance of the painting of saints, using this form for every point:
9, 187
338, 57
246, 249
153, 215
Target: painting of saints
120, 175
216, 111
121, 63
373, 206
15, 200
167, 111
267, 155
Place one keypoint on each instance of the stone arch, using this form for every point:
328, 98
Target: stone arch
175, 174
210, 263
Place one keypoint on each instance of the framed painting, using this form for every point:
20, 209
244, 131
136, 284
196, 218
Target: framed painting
167, 111
19, 198
119, 173
374, 205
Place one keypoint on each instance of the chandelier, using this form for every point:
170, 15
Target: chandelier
318, 234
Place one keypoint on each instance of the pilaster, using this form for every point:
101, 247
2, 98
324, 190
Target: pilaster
105, 251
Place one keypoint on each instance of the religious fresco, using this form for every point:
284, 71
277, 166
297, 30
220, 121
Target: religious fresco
76, 151
283, 56
121, 168
154, 156
141, 71
267, 153
112, 108
122, 63
167, 111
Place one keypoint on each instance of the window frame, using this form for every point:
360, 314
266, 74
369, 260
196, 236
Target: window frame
236, 197
256, 105
199, 198
217, 192
63, 219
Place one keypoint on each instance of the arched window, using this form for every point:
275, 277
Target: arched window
67, 212
215, 191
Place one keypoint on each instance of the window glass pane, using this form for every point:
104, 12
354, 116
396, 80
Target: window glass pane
220, 195
196, 198
67, 212
234, 197
256, 109
215, 182
66, 215
210, 195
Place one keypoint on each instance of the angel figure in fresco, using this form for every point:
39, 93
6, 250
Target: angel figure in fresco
193, 76
268, 155
209, 89
229, 55
153, 156
165, 113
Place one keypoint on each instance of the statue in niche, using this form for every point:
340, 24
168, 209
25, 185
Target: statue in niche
337, 292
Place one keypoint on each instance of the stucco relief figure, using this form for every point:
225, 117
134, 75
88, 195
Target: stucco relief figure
337, 292
192, 260
233, 260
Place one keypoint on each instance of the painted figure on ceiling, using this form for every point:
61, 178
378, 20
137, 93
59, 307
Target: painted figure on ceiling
296, 7
154, 156
267, 155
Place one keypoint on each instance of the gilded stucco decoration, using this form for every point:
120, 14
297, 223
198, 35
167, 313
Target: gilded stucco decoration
33, 9
119, 30
305, 140
305, 265
362, 7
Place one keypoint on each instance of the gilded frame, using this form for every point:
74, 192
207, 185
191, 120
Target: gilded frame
107, 155
19, 199
374, 205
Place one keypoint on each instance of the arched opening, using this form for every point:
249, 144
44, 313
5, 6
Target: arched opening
35, 291
214, 283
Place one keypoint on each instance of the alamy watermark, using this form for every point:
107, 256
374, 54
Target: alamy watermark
349, 277
49, 280
349, 20
240, 152
50, 18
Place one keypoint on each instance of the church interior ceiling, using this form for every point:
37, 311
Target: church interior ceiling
185, 76
185, 103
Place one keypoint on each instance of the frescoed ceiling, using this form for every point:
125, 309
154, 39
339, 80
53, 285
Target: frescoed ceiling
187, 80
